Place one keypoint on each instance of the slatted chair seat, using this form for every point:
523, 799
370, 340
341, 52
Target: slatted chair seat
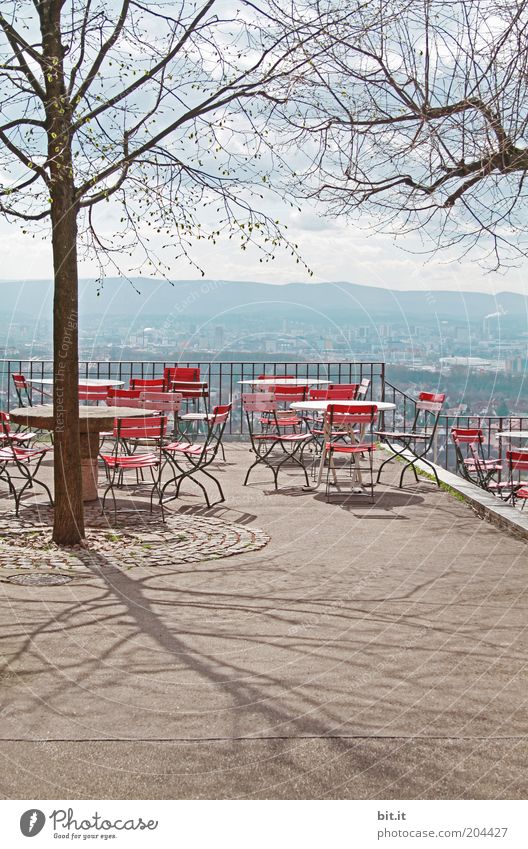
283, 437
132, 461
401, 434
355, 448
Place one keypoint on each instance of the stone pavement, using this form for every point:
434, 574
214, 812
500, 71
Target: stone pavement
365, 651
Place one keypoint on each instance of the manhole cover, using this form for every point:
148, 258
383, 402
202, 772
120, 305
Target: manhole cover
34, 579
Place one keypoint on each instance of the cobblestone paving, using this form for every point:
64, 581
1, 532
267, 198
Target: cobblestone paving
138, 539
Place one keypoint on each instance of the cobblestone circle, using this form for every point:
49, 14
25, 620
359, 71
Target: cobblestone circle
137, 540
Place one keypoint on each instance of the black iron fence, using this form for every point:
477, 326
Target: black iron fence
223, 377
443, 450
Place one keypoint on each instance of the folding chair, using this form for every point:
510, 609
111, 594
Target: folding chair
22, 390
198, 456
470, 461
16, 465
150, 429
18, 437
362, 390
342, 420
419, 439
271, 447
281, 417
517, 460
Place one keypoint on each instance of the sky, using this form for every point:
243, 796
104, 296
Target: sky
333, 250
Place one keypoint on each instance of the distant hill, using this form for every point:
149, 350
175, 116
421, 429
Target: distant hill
213, 299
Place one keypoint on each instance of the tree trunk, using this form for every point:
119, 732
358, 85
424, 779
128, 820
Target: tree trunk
68, 527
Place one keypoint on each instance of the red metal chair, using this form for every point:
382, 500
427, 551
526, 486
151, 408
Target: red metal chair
150, 429
19, 465
341, 419
271, 447
198, 456
22, 390
470, 461
419, 439
517, 460
362, 390
22, 437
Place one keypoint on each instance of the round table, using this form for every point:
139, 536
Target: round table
92, 420
321, 406
89, 381
512, 434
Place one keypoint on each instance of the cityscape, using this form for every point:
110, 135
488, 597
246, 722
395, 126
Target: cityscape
473, 347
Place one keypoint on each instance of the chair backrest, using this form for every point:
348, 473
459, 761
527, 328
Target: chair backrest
190, 389
363, 388
342, 391
140, 427
290, 394
431, 402
276, 377
167, 402
340, 414
180, 373
258, 402
467, 435
318, 394
93, 393
123, 397
517, 459
155, 383
22, 389
220, 414
5, 428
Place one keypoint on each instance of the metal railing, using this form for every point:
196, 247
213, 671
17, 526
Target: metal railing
443, 450
223, 377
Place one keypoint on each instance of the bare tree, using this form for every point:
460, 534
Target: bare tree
159, 109
414, 119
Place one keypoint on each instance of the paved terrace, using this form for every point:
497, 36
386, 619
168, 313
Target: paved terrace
362, 652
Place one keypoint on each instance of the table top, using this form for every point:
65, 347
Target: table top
285, 381
512, 434
88, 381
321, 406
42, 416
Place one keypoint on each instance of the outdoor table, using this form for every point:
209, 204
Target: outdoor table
512, 434
321, 407
92, 420
285, 381
89, 381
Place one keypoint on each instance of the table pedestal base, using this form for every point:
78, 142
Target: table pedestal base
89, 465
